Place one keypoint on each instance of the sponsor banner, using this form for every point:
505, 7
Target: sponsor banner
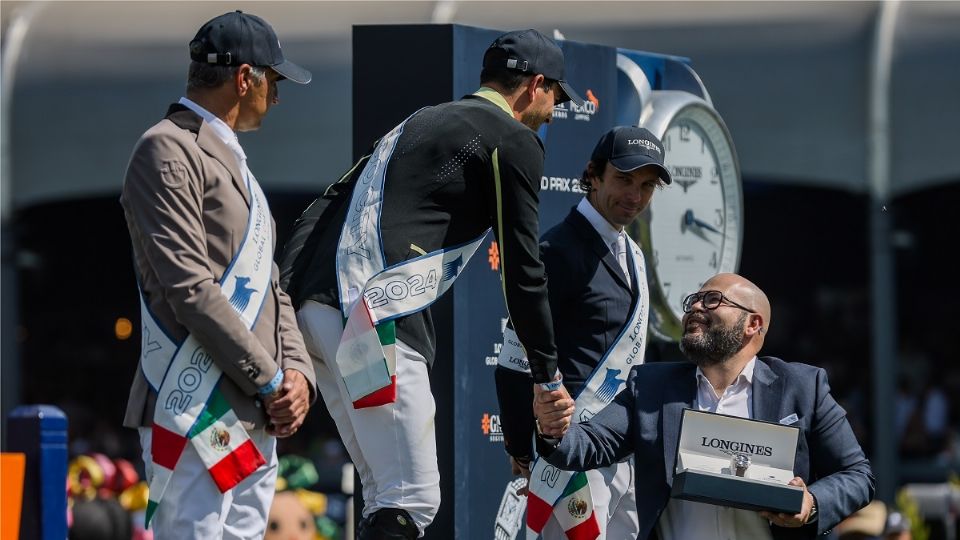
579, 113
562, 184
490, 425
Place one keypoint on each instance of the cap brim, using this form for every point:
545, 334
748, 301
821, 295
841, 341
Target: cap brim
571, 94
632, 163
289, 70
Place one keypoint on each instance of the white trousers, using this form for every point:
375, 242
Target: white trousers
193, 507
614, 502
394, 446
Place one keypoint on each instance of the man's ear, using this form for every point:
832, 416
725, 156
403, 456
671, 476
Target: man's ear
532, 84
592, 172
755, 326
242, 81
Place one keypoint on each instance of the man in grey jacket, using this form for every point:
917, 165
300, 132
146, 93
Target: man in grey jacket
724, 328
223, 369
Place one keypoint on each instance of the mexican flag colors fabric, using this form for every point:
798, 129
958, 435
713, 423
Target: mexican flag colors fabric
573, 509
367, 359
227, 451
224, 447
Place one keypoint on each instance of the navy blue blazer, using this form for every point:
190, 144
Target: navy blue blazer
589, 304
590, 299
644, 420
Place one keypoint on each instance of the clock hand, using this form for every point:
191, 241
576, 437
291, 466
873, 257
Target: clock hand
689, 219
706, 225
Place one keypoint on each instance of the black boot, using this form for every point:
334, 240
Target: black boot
388, 524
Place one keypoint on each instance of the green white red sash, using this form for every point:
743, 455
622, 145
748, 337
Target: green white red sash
366, 355
566, 494
190, 406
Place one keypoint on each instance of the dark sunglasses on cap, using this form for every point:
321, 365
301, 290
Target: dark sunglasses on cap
711, 300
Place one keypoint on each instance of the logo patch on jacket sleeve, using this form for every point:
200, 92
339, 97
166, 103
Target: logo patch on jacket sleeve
173, 174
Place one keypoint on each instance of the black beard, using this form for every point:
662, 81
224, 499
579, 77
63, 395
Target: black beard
714, 346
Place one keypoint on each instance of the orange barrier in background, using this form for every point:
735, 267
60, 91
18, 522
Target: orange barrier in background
11, 494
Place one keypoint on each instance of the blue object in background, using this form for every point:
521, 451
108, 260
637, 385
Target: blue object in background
40, 432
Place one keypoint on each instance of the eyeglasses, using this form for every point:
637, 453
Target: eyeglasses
711, 300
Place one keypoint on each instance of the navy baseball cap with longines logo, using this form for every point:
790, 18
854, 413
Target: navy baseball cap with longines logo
240, 38
628, 148
531, 52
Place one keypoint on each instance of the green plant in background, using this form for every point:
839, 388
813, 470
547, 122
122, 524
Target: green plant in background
954, 479
911, 510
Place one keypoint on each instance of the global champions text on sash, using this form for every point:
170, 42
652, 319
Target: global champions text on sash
637, 346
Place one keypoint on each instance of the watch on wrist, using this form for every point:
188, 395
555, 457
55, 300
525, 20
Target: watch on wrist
553, 441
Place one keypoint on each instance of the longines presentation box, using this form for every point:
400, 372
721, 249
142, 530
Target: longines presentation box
736, 462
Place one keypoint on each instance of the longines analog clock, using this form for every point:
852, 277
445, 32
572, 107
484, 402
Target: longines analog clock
693, 229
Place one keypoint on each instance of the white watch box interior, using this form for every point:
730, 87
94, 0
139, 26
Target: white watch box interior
704, 472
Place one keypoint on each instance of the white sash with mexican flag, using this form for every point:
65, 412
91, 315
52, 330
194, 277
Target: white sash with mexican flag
190, 406
366, 355
566, 494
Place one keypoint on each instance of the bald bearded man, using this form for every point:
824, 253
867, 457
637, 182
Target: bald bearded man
723, 330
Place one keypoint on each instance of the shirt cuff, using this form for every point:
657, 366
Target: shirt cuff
554, 384
814, 512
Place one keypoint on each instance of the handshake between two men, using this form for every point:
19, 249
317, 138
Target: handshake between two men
723, 330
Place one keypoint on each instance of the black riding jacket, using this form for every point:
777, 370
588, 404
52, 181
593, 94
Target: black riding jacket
458, 168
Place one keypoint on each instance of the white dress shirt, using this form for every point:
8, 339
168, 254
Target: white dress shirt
616, 240
683, 520
223, 131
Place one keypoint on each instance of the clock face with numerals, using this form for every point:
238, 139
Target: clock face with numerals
693, 228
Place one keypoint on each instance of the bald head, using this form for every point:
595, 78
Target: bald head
742, 291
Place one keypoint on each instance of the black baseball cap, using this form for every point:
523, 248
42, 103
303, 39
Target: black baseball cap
531, 52
628, 148
240, 38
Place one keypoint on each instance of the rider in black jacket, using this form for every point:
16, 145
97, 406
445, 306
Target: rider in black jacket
457, 169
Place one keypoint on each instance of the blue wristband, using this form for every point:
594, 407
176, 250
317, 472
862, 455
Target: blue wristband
273, 385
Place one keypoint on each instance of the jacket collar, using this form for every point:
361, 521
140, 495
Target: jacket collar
494, 97
598, 245
209, 142
767, 393
599, 223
